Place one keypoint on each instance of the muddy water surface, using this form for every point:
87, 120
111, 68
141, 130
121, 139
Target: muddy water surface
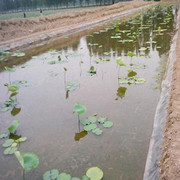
46, 117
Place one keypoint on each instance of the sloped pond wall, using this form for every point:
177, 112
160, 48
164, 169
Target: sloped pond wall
152, 163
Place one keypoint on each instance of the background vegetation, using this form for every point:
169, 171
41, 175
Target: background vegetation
25, 5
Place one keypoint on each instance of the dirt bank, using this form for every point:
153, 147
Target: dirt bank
15, 30
170, 157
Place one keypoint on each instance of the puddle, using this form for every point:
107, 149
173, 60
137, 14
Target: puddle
120, 89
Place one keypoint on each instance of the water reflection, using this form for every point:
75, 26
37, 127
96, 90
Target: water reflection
80, 135
121, 92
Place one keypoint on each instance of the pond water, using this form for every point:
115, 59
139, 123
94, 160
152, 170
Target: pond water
46, 114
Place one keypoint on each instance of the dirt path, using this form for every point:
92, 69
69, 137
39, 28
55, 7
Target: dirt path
170, 158
15, 30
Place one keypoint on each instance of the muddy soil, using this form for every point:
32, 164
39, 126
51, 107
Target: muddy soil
170, 158
15, 30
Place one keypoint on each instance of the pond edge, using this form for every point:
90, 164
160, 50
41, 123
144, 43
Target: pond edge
153, 157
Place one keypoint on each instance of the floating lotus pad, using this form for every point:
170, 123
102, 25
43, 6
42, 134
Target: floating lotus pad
10, 150
8, 143
51, 175
108, 124
64, 176
73, 85
94, 173
131, 80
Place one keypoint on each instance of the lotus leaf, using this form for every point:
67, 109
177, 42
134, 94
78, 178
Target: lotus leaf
97, 131
108, 124
4, 135
64, 176
10, 150
101, 120
75, 178
131, 80
71, 86
18, 83
85, 177
85, 121
8, 104
12, 128
22, 139
131, 54
79, 109
13, 88
50, 175
31, 160
87, 128
92, 119
120, 62
94, 173
10, 69
8, 143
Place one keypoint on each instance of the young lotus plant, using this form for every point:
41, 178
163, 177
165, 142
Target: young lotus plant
120, 62
27, 161
131, 54
79, 109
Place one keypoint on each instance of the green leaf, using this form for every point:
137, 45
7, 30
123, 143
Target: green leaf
50, 175
4, 135
12, 128
90, 127
101, 120
5, 53
94, 173
79, 109
71, 86
131, 54
10, 150
13, 88
9, 69
120, 62
22, 139
31, 160
52, 62
75, 178
8, 143
14, 145
139, 80
64, 176
97, 131
85, 121
19, 158
108, 124
85, 177
92, 119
